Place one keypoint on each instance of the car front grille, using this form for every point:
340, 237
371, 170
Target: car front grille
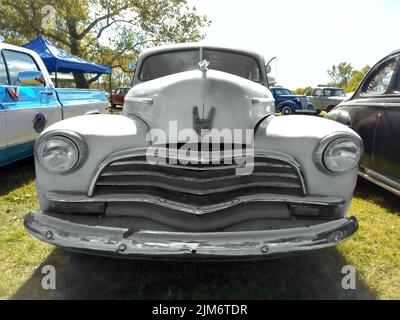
197, 184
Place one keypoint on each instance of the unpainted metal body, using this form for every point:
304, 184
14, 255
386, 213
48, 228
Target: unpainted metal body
116, 203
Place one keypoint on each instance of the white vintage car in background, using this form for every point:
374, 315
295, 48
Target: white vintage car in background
179, 176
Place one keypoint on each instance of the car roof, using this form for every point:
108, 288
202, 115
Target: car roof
198, 45
333, 88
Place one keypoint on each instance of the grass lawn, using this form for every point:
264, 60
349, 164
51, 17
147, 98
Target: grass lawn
373, 251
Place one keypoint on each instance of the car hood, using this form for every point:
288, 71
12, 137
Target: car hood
188, 99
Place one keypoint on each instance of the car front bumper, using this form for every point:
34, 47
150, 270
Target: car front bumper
127, 243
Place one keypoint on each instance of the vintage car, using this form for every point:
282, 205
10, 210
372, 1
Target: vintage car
326, 98
29, 102
197, 167
287, 103
118, 96
373, 111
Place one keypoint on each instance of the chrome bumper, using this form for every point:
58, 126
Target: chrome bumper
124, 242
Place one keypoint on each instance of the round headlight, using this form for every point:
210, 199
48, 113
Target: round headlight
341, 155
58, 154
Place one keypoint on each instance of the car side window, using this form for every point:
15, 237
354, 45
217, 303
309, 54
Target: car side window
278, 92
18, 62
396, 82
318, 92
328, 93
3, 72
380, 80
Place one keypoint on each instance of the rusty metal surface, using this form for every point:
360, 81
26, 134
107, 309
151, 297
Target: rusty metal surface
124, 242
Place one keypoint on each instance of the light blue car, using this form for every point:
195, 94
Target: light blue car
29, 103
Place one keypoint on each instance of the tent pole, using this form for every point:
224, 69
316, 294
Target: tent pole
111, 90
56, 78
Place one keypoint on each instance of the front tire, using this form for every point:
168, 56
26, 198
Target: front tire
286, 111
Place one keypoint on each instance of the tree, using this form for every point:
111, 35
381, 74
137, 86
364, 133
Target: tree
111, 32
340, 74
304, 91
356, 78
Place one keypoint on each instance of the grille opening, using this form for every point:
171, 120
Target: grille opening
198, 184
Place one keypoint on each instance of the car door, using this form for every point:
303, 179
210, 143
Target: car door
385, 160
317, 98
365, 110
29, 107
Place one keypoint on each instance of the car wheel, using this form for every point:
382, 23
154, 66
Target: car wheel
286, 111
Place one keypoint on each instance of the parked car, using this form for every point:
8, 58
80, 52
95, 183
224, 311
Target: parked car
287, 103
157, 181
373, 111
29, 103
117, 97
326, 98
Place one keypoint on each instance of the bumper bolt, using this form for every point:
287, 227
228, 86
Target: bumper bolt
48, 235
336, 236
264, 249
121, 247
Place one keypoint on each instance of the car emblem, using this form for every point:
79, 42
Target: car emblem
39, 122
199, 124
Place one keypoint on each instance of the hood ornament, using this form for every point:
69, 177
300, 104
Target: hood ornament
203, 65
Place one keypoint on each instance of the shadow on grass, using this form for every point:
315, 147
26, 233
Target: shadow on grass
369, 191
312, 276
16, 175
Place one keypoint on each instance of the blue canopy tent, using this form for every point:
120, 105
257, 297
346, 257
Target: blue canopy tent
58, 60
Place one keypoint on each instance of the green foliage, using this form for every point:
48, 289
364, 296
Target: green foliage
344, 76
304, 91
111, 32
340, 74
356, 78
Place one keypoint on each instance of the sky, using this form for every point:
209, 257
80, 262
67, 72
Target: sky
306, 36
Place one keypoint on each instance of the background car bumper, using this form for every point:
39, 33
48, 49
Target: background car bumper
124, 242
305, 111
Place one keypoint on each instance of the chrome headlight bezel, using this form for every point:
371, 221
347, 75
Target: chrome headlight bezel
329, 141
72, 136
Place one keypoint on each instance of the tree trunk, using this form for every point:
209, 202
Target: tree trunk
80, 81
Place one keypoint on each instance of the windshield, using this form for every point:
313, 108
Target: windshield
283, 92
335, 93
163, 64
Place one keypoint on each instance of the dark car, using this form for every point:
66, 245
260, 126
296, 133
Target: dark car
374, 113
286, 102
118, 96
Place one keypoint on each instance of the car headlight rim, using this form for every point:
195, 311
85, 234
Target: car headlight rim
330, 142
331, 163
76, 142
